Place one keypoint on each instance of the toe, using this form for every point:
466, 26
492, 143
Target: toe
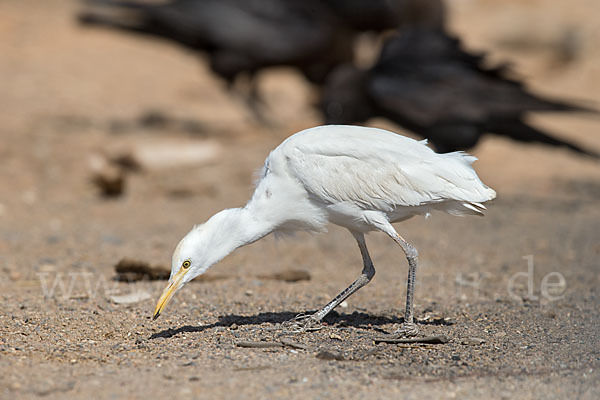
302, 323
407, 330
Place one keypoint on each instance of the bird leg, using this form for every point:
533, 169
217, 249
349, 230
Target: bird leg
408, 327
312, 322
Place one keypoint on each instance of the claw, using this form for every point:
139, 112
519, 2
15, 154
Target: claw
406, 330
302, 323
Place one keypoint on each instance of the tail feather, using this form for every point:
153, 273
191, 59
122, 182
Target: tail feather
472, 207
550, 105
460, 208
479, 205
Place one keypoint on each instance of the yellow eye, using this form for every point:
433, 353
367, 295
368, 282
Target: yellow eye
186, 264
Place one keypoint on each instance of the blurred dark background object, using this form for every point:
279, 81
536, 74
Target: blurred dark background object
382, 15
240, 37
427, 83
422, 78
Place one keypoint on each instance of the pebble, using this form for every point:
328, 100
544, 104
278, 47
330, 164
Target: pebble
14, 275
133, 297
291, 275
170, 153
29, 197
109, 180
472, 341
47, 267
330, 355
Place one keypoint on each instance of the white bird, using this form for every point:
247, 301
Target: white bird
363, 179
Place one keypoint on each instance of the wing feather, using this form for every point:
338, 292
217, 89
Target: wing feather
383, 172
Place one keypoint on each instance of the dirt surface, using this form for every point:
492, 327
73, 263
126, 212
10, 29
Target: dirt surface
70, 95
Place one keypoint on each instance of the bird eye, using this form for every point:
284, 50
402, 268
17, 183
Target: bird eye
186, 264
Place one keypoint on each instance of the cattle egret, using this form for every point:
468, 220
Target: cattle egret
363, 179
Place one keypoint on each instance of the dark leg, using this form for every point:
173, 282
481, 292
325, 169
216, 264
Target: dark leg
303, 323
257, 105
245, 87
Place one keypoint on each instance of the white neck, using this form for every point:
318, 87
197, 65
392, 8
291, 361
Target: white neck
226, 231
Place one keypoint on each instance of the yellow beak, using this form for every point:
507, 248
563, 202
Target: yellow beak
169, 291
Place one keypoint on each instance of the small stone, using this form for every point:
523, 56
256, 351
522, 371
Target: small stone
133, 297
29, 197
171, 153
472, 341
330, 355
185, 391
47, 267
14, 275
291, 275
130, 270
110, 181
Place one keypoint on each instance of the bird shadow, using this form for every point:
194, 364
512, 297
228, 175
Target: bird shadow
356, 320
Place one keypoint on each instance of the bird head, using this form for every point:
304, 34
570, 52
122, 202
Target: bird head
204, 246
186, 264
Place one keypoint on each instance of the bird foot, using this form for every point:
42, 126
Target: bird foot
302, 323
407, 329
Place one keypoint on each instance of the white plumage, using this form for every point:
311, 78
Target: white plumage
359, 178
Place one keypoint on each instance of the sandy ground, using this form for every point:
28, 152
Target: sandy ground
524, 279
